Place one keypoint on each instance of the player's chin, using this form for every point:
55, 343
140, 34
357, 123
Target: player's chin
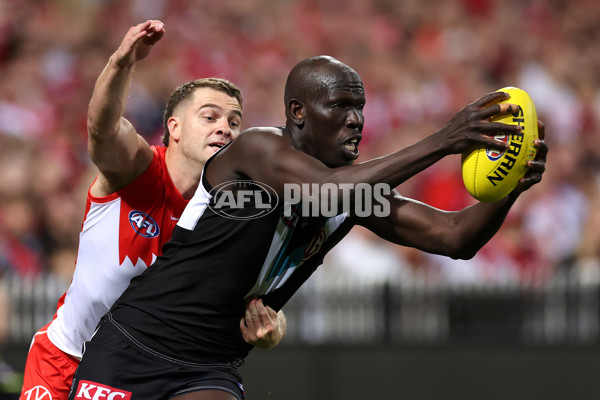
210, 150
345, 157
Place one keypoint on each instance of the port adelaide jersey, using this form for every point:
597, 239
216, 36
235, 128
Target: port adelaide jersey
232, 242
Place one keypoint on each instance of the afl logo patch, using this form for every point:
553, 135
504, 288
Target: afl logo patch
143, 224
493, 154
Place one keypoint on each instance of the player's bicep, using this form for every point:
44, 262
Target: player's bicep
266, 158
288, 167
120, 156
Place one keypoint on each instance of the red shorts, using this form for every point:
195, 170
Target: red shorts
48, 371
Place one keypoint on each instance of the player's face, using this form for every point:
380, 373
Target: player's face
335, 120
207, 122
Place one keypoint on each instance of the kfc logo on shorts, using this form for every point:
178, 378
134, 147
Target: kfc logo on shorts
143, 224
87, 390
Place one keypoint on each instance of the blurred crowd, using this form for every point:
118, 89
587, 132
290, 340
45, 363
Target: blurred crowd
421, 62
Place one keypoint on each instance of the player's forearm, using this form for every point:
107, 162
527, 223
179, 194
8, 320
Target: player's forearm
397, 167
477, 224
108, 100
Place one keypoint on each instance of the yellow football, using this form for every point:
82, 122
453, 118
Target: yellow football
489, 175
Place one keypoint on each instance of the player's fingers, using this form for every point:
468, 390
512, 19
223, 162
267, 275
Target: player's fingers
538, 167
530, 179
249, 315
252, 308
130, 40
265, 318
139, 30
247, 332
541, 130
272, 313
142, 26
155, 31
542, 150
156, 25
496, 109
490, 98
137, 36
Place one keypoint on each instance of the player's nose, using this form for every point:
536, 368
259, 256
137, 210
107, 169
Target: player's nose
224, 127
355, 120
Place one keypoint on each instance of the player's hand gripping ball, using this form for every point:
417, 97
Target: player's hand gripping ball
489, 175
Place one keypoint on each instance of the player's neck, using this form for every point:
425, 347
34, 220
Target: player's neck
295, 138
184, 174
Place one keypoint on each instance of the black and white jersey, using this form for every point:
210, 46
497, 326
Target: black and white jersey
189, 304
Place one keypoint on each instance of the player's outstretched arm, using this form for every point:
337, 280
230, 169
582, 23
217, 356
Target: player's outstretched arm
268, 157
261, 326
114, 145
457, 234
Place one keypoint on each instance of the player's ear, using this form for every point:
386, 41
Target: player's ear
174, 128
296, 112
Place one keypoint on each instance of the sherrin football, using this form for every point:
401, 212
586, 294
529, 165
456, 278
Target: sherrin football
489, 175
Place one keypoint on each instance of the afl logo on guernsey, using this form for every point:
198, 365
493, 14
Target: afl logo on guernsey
143, 224
493, 154
243, 199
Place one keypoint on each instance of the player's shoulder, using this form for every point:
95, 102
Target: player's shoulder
262, 137
265, 132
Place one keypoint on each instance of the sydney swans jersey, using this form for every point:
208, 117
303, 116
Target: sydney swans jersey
189, 304
122, 234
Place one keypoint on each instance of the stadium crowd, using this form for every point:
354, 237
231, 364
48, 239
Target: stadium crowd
421, 61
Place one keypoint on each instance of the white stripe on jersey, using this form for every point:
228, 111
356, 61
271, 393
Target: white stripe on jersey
275, 272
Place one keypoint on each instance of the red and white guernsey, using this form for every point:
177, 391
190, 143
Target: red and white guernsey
122, 234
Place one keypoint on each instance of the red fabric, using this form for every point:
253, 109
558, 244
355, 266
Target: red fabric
48, 372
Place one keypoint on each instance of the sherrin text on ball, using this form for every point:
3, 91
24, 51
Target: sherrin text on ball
489, 174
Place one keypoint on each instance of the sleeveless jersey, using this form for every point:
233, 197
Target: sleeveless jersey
121, 235
188, 306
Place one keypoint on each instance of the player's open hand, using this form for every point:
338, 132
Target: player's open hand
261, 326
138, 42
471, 125
536, 166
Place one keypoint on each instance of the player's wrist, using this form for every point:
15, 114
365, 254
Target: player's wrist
120, 64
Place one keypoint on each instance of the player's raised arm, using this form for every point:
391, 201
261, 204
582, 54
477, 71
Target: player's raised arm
114, 145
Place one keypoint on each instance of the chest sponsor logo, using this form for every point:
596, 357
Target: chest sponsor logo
143, 224
38, 393
87, 390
